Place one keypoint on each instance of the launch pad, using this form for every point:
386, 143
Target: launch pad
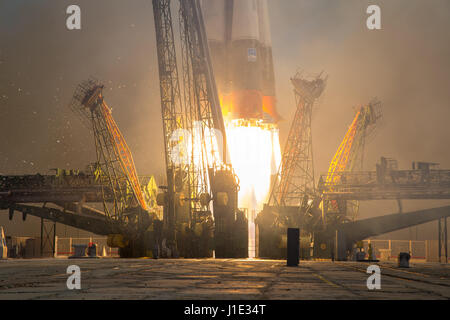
224, 91
189, 279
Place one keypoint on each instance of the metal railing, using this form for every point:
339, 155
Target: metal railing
426, 250
64, 246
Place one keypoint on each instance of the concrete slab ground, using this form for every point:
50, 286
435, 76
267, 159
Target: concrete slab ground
218, 279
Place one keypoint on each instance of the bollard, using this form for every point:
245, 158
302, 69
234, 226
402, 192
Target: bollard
92, 250
80, 251
293, 247
3, 247
403, 259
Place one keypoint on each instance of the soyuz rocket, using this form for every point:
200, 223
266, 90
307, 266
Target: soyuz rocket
239, 39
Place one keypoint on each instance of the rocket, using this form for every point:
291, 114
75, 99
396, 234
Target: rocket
240, 45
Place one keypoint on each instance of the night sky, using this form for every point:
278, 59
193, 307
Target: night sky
405, 65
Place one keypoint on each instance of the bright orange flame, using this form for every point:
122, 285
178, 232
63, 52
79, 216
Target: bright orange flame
254, 151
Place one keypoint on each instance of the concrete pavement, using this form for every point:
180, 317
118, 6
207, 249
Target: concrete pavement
218, 279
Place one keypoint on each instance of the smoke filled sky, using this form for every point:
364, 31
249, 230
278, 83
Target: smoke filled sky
405, 65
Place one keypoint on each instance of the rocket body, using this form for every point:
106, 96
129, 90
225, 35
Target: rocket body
239, 39
241, 53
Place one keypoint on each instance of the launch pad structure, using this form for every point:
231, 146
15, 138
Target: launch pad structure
226, 76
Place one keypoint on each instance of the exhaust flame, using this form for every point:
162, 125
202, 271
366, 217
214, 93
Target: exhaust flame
254, 151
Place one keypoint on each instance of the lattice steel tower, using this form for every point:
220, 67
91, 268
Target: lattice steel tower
295, 178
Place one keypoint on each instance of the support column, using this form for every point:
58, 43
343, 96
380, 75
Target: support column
445, 240
390, 249
54, 239
335, 256
42, 237
342, 246
439, 240
56, 247
47, 237
442, 239
293, 247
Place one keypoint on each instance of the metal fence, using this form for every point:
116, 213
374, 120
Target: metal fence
383, 249
389, 249
64, 246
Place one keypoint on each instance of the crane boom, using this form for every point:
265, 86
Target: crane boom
124, 153
340, 159
350, 154
115, 166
